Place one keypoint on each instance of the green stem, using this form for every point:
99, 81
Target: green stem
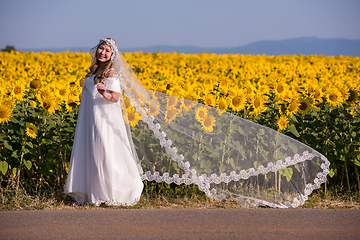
279, 182
357, 177
18, 172
347, 176
275, 182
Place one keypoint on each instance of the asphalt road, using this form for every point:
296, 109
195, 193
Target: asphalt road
182, 223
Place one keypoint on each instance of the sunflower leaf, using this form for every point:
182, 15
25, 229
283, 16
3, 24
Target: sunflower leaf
27, 164
8, 146
293, 130
3, 167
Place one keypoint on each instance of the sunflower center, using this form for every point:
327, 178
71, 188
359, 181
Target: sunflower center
35, 84
17, 90
257, 102
282, 123
131, 116
280, 88
3, 113
31, 130
202, 114
187, 103
172, 113
333, 97
46, 105
303, 106
172, 100
127, 102
62, 92
207, 122
208, 101
222, 105
352, 96
292, 106
248, 90
236, 101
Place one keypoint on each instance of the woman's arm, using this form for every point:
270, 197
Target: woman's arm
107, 94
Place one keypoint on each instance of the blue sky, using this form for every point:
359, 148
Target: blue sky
203, 23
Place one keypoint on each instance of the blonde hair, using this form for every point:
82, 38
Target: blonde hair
99, 78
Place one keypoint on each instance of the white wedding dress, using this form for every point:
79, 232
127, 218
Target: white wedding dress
102, 167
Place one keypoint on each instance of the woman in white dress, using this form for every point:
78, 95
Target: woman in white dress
102, 166
176, 140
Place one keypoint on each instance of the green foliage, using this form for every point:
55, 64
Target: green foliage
8, 48
38, 163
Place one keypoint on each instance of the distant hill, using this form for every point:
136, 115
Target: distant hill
303, 45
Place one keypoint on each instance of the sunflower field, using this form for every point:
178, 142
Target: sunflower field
314, 99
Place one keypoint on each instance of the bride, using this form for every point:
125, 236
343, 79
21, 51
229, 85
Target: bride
126, 134
102, 166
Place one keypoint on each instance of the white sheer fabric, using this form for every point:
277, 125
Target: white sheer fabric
102, 167
231, 158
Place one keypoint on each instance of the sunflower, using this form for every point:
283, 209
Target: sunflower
304, 106
293, 107
133, 118
238, 102
224, 83
317, 96
171, 114
208, 123
334, 97
257, 105
282, 122
249, 90
33, 104
188, 102
177, 90
74, 90
310, 87
31, 130
161, 89
44, 93
222, 104
344, 90
202, 94
210, 100
5, 113
42, 73
48, 105
18, 90
127, 102
172, 101
81, 82
353, 96
36, 83
153, 109
201, 113
9, 102
280, 90
70, 99
62, 92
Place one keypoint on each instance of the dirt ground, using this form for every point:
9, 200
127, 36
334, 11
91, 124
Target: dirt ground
181, 223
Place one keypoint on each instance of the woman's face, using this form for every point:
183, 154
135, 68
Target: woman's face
104, 53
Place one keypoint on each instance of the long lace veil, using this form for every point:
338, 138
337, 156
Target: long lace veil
176, 140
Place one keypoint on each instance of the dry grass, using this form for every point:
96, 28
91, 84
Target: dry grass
22, 201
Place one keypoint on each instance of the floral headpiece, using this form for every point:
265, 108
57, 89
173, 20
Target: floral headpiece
110, 42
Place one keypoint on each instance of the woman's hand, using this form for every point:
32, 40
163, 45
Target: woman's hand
108, 95
101, 88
